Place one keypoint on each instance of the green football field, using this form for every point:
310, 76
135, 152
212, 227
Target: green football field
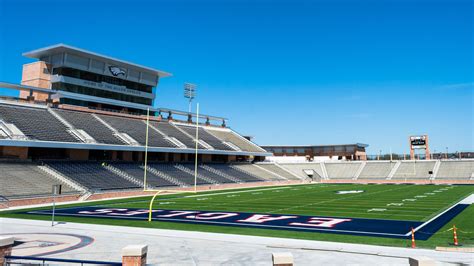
388, 202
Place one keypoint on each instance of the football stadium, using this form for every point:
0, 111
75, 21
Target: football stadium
98, 165
83, 144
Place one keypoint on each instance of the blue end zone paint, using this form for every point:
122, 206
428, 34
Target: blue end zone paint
432, 227
338, 225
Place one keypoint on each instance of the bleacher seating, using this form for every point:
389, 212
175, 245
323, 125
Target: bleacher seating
136, 128
237, 173
229, 136
342, 170
376, 170
208, 174
91, 175
455, 170
137, 172
172, 131
91, 126
414, 170
277, 170
173, 171
205, 136
298, 168
258, 172
36, 123
22, 179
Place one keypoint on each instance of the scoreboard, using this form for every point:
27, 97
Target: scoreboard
418, 142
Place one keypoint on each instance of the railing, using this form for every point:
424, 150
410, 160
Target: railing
434, 156
43, 261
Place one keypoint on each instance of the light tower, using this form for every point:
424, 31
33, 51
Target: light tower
189, 93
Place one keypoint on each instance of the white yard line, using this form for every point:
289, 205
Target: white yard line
332, 200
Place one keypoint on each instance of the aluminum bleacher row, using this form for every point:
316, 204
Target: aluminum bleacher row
387, 170
59, 125
29, 179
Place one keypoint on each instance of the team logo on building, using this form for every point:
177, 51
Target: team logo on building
116, 71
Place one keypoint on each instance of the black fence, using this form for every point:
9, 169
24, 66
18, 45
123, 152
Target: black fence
434, 156
28, 260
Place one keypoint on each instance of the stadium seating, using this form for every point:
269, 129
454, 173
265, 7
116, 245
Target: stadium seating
91, 126
172, 131
298, 168
258, 172
341, 170
22, 179
229, 136
278, 170
414, 170
174, 172
236, 172
134, 170
208, 174
136, 128
376, 170
455, 170
91, 175
208, 138
36, 123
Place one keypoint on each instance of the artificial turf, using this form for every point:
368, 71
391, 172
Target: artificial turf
311, 200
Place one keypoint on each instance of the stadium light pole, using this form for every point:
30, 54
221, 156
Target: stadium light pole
196, 154
146, 146
189, 93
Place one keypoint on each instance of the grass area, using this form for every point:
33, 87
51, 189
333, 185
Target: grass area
312, 200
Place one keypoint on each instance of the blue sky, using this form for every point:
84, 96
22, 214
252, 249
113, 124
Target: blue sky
285, 72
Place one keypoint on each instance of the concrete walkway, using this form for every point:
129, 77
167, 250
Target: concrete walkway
172, 247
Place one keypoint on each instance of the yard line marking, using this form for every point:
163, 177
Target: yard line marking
234, 192
321, 202
420, 196
376, 210
395, 204
409, 200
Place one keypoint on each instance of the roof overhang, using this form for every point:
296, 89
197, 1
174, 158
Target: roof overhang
59, 48
362, 145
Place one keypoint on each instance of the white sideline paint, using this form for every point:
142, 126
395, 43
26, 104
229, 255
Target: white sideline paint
469, 200
234, 192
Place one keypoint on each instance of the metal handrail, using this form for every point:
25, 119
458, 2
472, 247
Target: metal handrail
43, 260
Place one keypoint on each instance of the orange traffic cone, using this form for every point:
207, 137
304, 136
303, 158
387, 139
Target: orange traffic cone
413, 244
455, 235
